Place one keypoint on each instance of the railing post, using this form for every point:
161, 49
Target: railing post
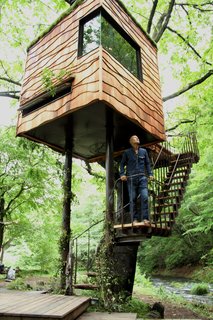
109, 168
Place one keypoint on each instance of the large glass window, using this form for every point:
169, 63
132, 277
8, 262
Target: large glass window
101, 30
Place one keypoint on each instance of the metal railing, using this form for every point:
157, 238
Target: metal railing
84, 248
167, 188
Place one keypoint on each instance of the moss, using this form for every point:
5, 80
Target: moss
60, 18
71, 9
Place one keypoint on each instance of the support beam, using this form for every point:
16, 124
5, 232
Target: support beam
66, 261
109, 168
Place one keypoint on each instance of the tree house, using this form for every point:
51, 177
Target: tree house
94, 60
91, 81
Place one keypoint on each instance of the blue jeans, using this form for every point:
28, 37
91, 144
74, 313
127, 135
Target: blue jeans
138, 186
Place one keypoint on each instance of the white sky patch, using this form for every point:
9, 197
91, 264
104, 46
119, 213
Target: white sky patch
8, 114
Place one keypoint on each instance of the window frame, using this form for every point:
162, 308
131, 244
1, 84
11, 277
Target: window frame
115, 25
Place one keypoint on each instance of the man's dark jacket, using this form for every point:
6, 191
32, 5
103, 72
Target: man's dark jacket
135, 163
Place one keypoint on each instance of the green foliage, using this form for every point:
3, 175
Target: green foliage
49, 79
200, 289
31, 203
19, 284
134, 305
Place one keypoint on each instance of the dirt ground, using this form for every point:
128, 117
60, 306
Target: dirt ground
172, 310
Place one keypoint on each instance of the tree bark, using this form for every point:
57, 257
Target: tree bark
164, 23
2, 211
66, 264
121, 260
152, 13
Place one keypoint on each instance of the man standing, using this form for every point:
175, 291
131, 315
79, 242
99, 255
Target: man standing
136, 162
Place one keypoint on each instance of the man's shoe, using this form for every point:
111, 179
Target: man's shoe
146, 221
135, 221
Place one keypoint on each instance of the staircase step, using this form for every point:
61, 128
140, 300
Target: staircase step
92, 274
186, 170
165, 205
182, 177
165, 213
181, 163
167, 198
86, 286
176, 183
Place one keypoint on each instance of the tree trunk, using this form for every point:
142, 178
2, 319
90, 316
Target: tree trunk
66, 265
125, 259
118, 262
2, 202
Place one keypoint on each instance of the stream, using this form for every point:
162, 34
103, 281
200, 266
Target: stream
182, 287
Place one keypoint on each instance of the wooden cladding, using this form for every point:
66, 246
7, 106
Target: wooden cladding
96, 76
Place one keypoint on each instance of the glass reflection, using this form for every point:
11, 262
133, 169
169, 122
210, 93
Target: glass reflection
91, 34
99, 31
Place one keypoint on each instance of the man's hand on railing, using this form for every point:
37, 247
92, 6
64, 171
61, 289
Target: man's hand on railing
123, 178
151, 178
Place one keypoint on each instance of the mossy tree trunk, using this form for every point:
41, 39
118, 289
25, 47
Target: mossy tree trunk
117, 264
2, 213
65, 249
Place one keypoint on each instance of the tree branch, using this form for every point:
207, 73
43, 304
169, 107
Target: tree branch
10, 81
15, 197
188, 44
70, 2
189, 86
10, 94
180, 123
92, 173
152, 13
163, 25
197, 6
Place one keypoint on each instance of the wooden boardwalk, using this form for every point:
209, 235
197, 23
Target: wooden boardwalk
107, 316
34, 305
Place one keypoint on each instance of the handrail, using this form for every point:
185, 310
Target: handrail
90, 227
158, 157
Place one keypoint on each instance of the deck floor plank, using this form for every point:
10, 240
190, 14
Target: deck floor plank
64, 306
107, 316
27, 302
29, 306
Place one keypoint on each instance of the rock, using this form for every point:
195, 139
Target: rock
156, 311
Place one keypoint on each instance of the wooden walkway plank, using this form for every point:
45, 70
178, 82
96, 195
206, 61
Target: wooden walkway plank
107, 316
28, 306
26, 303
40, 307
64, 308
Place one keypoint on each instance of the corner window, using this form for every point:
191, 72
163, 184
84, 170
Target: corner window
100, 29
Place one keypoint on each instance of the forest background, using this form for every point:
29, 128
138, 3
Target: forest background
31, 175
